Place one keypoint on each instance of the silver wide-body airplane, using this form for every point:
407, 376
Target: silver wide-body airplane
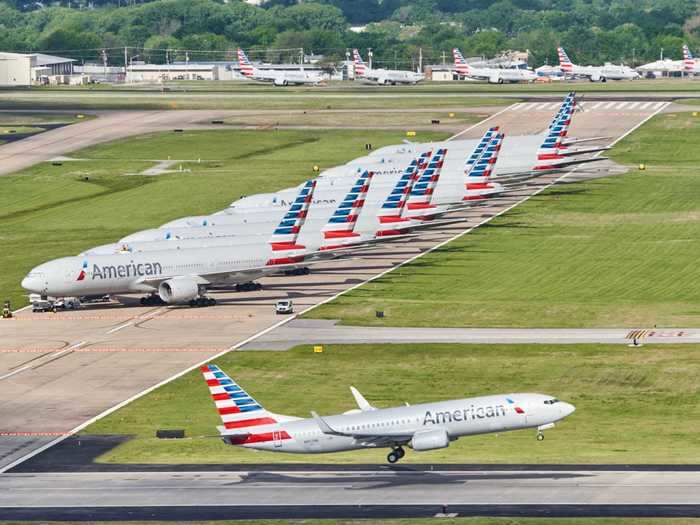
426, 426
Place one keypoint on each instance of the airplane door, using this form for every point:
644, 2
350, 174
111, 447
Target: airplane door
277, 438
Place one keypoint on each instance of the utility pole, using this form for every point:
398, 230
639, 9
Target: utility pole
420, 59
444, 58
126, 60
369, 56
396, 64
301, 56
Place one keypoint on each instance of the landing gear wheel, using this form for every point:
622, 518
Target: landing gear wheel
401, 452
540, 436
393, 456
210, 301
192, 303
143, 301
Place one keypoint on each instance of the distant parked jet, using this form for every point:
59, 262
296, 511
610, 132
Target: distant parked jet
690, 65
427, 426
383, 76
493, 75
595, 73
278, 78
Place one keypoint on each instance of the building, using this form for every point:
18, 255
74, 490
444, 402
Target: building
99, 73
21, 69
440, 73
166, 72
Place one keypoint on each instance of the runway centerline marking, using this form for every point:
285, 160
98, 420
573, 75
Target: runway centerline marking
50, 355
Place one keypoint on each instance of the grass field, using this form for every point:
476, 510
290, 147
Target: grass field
357, 118
613, 252
51, 211
633, 406
259, 99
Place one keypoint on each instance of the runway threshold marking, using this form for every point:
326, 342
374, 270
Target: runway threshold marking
294, 316
507, 108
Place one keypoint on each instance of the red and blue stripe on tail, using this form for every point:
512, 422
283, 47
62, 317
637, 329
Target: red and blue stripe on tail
422, 192
342, 222
284, 237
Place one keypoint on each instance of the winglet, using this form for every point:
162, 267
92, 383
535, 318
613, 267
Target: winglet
362, 403
325, 427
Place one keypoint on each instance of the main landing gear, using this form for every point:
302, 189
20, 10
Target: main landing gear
248, 287
201, 302
395, 455
152, 300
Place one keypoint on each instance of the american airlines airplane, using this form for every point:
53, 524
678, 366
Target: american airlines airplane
690, 65
595, 73
493, 75
427, 426
383, 76
278, 78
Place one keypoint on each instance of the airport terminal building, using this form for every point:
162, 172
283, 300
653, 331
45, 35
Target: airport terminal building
19, 69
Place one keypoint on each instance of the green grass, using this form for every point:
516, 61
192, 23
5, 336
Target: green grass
620, 251
18, 118
51, 211
260, 99
633, 406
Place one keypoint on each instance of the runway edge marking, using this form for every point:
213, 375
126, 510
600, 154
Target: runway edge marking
294, 316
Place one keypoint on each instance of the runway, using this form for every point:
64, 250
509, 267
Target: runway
319, 331
391, 492
48, 360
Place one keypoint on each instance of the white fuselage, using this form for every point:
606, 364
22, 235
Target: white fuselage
419, 426
392, 76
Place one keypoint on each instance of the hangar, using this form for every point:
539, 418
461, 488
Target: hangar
18, 69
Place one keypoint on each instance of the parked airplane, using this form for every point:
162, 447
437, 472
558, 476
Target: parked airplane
595, 73
690, 65
426, 426
278, 78
383, 76
175, 276
493, 75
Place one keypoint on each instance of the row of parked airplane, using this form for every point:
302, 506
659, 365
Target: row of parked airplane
389, 195
465, 71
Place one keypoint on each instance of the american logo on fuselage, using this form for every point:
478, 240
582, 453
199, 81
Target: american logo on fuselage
126, 270
463, 414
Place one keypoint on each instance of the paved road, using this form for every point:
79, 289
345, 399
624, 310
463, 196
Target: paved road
316, 493
314, 331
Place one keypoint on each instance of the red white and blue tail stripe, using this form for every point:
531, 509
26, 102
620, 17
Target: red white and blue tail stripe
479, 150
478, 186
359, 64
461, 65
422, 192
565, 63
342, 222
284, 237
688, 60
393, 205
245, 419
244, 64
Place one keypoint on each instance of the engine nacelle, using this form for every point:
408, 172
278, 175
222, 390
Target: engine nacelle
178, 290
430, 440
280, 82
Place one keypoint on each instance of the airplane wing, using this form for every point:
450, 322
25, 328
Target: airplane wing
380, 439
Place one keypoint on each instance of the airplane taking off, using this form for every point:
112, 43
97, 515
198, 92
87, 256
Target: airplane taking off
493, 75
595, 73
426, 426
383, 76
278, 78
690, 65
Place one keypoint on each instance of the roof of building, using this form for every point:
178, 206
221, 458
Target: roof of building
49, 60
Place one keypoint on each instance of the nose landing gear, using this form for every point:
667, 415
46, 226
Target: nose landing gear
395, 455
540, 436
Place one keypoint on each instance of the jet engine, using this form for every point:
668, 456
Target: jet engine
280, 82
178, 290
430, 439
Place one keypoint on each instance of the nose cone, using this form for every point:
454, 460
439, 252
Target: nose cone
567, 409
31, 283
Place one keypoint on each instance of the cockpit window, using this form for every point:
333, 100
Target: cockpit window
551, 401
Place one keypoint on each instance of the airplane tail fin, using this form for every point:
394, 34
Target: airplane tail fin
359, 64
557, 131
342, 223
393, 205
239, 412
285, 236
688, 60
483, 169
422, 192
565, 63
461, 65
478, 151
244, 64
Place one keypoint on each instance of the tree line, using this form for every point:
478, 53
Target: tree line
592, 31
